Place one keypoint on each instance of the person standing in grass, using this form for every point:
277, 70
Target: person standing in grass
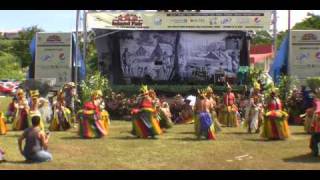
21, 111
211, 97
61, 115
35, 105
93, 121
144, 117
254, 112
203, 120
275, 125
228, 115
3, 125
36, 143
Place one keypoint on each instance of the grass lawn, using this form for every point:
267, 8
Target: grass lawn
176, 149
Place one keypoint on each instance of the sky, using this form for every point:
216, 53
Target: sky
64, 20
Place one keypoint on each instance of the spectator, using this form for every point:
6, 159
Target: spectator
35, 149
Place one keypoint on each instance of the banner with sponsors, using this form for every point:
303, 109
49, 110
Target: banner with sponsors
217, 20
304, 54
53, 61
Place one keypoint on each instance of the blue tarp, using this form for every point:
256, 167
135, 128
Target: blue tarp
280, 61
79, 58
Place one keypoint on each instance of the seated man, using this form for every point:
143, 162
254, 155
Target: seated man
35, 149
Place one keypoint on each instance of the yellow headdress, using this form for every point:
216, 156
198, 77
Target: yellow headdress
96, 93
209, 89
202, 92
256, 85
228, 86
144, 89
34, 93
20, 92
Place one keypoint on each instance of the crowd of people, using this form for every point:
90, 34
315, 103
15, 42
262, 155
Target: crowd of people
260, 111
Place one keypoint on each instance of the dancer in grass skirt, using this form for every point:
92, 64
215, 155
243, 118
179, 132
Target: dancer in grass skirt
93, 122
211, 97
228, 115
275, 121
144, 117
203, 120
254, 112
61, 115
35, 105
163, 117
186, 114
3, 125
21, 111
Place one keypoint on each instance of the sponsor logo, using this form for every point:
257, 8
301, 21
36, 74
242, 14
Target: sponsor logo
127, 20
257, 19
318, 55
62, 57
54, 38
309, 37
226, 21
158, 21
46, 57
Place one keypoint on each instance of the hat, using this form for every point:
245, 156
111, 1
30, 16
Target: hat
96, 93
202, 92
209, 89
71, 84
34, 93
20, 92
228, 86
144, 89
256, 85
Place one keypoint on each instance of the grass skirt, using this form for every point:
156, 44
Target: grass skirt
204, 126
145, 123
275, 125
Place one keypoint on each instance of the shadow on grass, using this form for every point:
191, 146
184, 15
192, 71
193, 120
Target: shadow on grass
186, 133
304, 158
15, 162
13, 136
261, 140
239, 133
300, 133
72, 138
188, 139
126, 138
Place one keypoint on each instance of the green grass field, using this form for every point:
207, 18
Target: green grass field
176, 149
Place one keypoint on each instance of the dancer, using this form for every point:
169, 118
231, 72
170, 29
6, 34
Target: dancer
93, 122
275, 122
176, 106
254, 112
294, 107
21, 109
35, 105
144, 119
186, 115
71, 97
61, 115
228, 115
3, 125
203, 121
211, 97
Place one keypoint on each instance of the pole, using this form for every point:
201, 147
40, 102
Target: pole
77, 53
84, 34
275, 32
289, 36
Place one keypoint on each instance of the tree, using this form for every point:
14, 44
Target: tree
261, 37
10, 67
21, 45
310, 23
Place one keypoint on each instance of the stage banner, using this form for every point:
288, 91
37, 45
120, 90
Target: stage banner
53, 62
202, 56
304, 54
215, 20
147, 54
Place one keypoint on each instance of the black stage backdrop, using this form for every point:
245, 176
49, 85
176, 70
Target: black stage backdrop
170, 56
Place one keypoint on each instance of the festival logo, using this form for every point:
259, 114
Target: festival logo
127, 20
54, 39
62, 57
309, 37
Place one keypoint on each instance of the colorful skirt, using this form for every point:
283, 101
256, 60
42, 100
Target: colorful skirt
145, 123
61, 120
35, 113
20, 120
253, 119
204, 126
216, 124
90, 126
3, 125
228, 116
164, 120
275, 125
